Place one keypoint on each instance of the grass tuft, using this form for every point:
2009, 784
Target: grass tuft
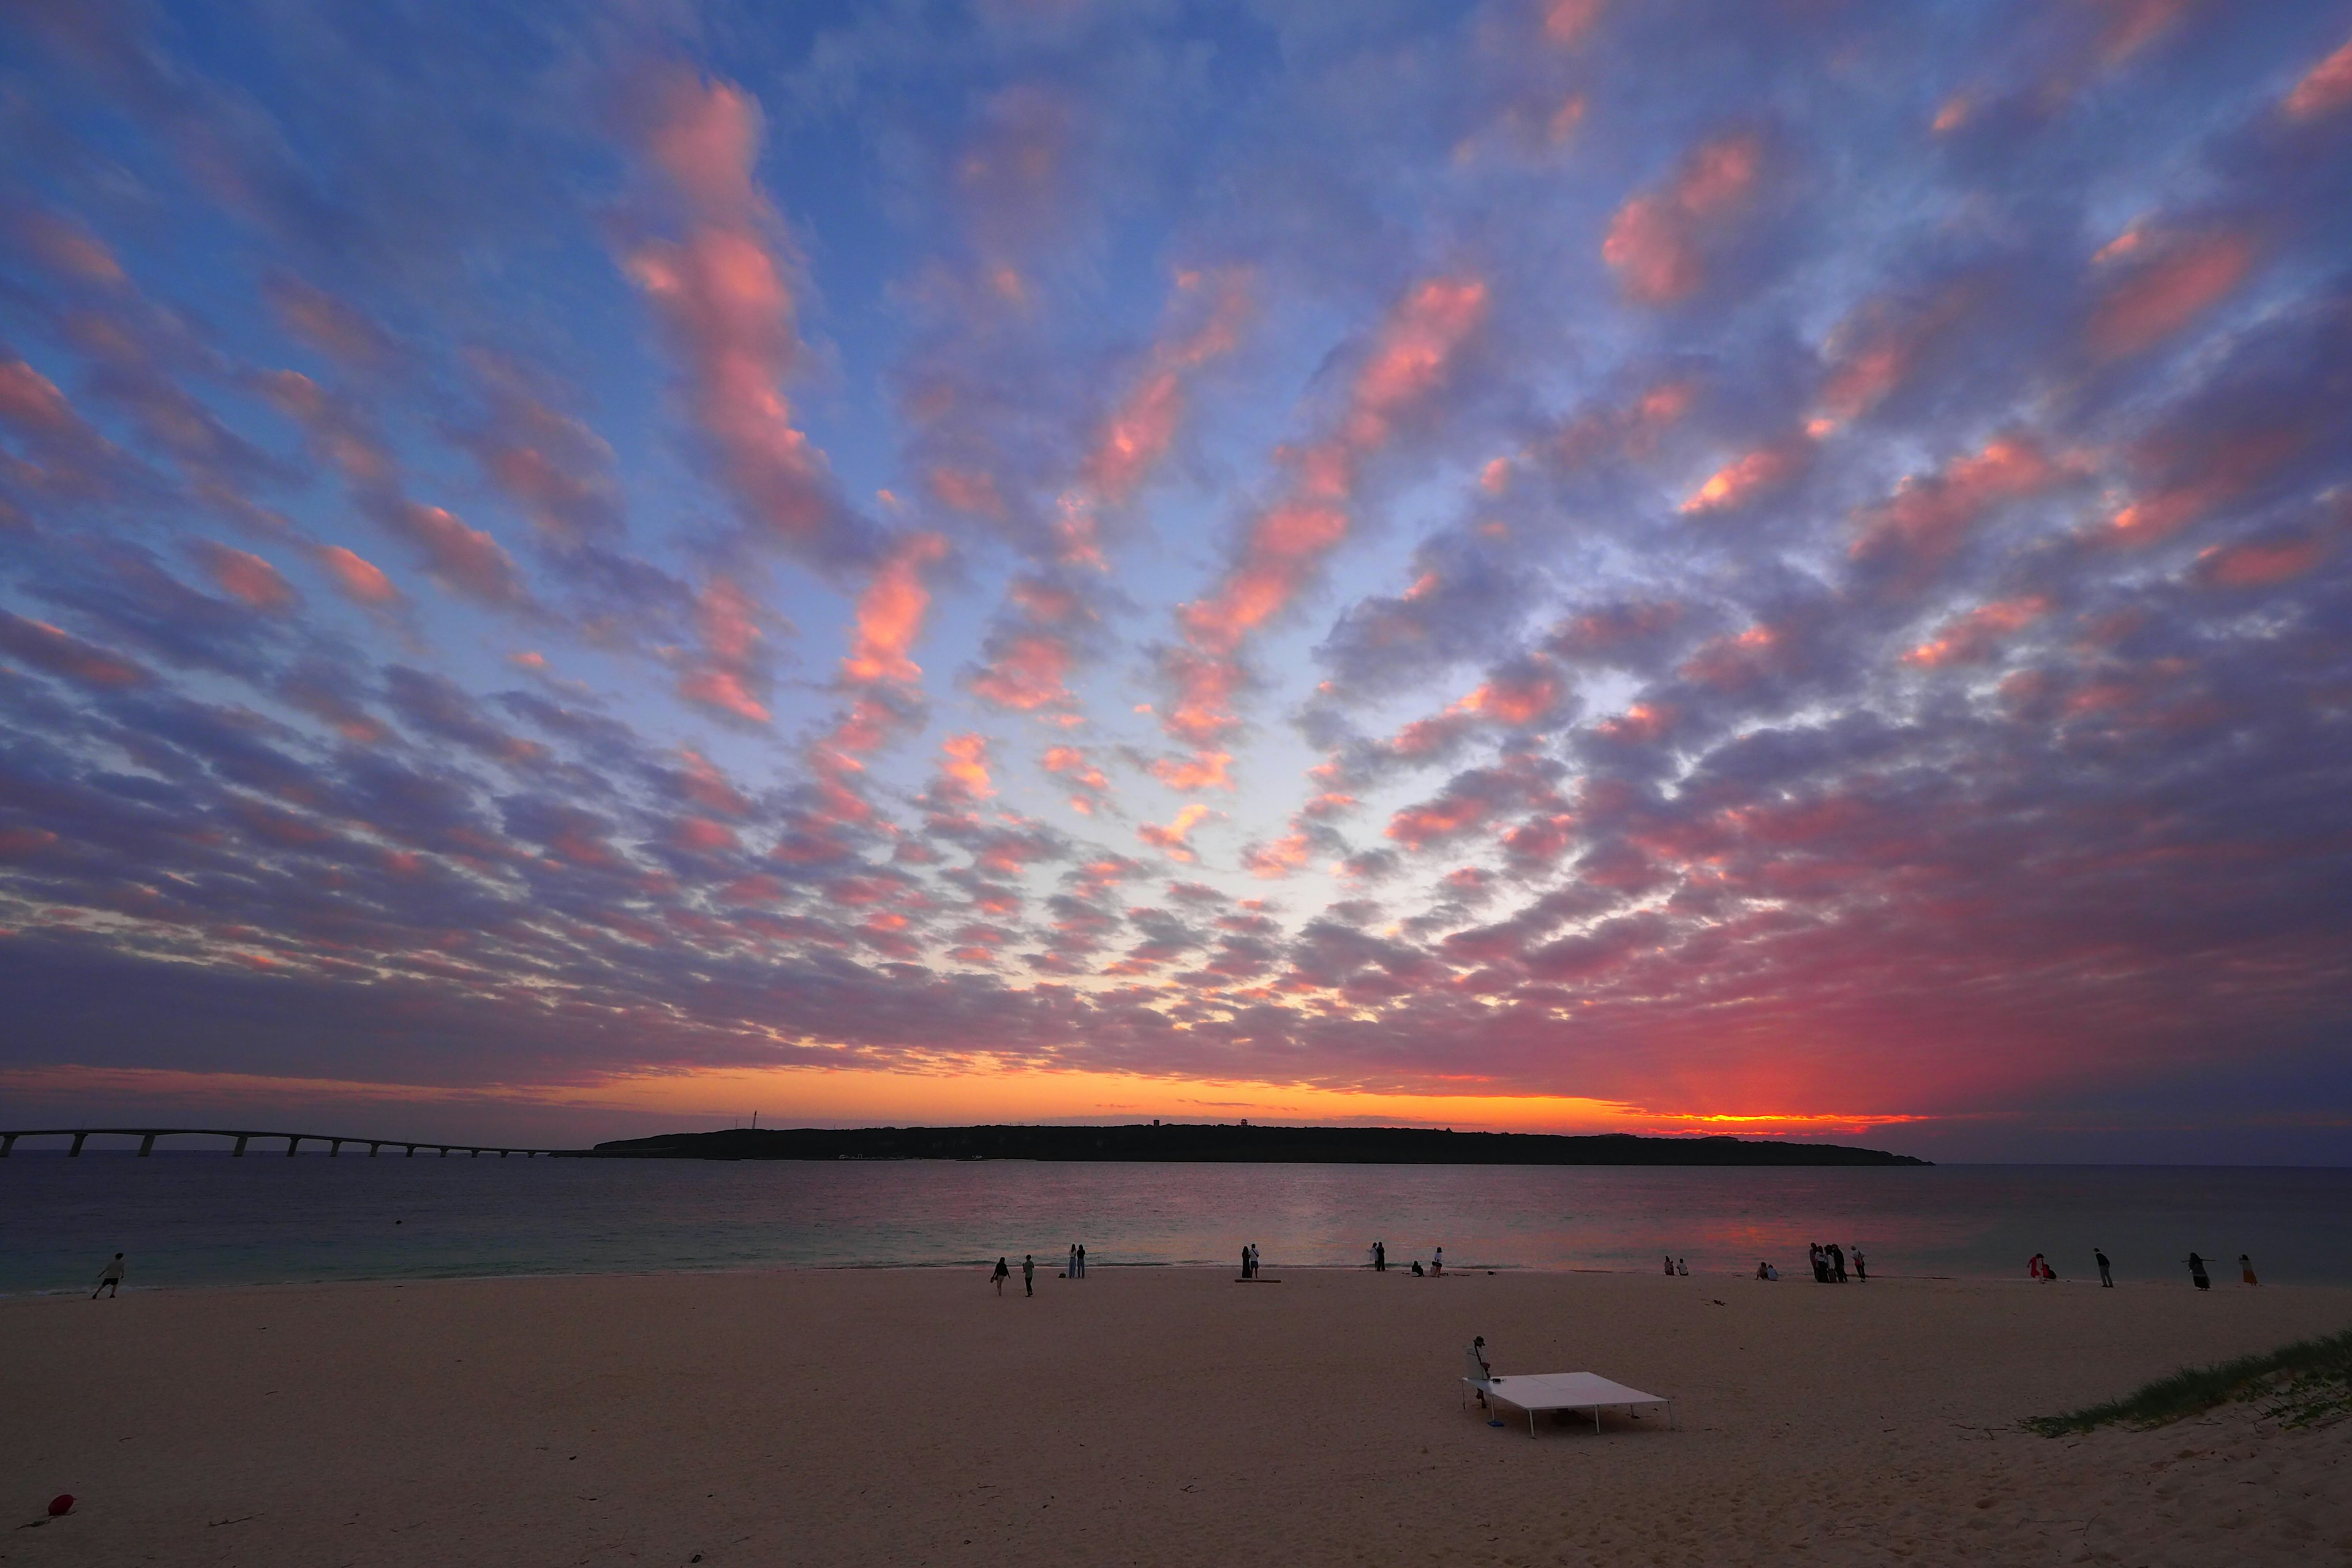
2308, 1383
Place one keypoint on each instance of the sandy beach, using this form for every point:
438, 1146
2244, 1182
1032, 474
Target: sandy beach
1141, 1416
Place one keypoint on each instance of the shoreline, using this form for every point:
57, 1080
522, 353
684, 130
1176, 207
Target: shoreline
132, 1286
1142, 1416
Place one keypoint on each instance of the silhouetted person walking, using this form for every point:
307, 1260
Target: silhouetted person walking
1001, 1275
109, 1280
2107, 1280
1028, 1275
2197, 1276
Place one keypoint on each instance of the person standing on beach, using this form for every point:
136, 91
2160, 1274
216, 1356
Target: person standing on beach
2197, 1276
1379, 1258
2246, 1269
1861, 1269
1082, 1260
2107, 1280
1837, 1263
1820, 1262
1437, 1262
109, 1279
1001, 1275
1028, 1275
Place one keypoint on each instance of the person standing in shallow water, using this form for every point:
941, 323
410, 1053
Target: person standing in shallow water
2197, 1276
2107, 1280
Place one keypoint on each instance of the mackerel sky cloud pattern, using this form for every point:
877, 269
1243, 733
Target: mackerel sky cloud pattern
1550, 563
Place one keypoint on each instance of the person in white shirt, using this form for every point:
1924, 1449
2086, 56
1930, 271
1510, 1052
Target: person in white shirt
111, 1280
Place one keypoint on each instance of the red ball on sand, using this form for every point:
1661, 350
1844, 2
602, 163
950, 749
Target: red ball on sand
61, 1504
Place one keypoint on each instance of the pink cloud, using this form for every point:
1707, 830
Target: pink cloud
1927, 519
890, 612
1411, 359
246, 577
1656, 241
2259, 562
964, 769
461, 558
47, 647
720, 291
2326, 88
1750, 476
327, 324
361, 579
2185, 275
1972, 638
729, 673
1174, 838
1568, 22
1085, 781
1027, 673
2201, 474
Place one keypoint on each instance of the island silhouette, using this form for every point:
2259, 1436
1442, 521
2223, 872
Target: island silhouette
1181, 1141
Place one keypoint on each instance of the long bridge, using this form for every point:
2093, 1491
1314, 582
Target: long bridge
242, 1136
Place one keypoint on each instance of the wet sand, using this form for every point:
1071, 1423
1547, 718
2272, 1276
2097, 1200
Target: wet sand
1141, 1416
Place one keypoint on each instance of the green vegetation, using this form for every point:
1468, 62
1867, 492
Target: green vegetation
2306, 1384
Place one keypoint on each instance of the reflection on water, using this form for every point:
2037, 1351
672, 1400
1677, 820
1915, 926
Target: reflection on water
204, 1218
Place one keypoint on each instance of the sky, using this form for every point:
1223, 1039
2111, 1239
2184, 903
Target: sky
1780, 568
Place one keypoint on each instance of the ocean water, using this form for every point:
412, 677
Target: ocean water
196, 1220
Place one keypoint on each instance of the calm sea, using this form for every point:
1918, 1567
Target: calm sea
206, 1219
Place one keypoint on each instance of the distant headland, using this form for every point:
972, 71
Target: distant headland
1180, 1141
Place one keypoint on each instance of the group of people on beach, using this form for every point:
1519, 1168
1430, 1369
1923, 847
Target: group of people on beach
1004, 1271
1829, 1264
2038, 1267
1379, 1251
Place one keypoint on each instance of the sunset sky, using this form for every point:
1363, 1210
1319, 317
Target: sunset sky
1780, 567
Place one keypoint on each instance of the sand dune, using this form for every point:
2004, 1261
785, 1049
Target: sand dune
1142, 1416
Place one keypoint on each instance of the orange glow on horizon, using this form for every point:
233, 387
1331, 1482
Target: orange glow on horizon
956, 1094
